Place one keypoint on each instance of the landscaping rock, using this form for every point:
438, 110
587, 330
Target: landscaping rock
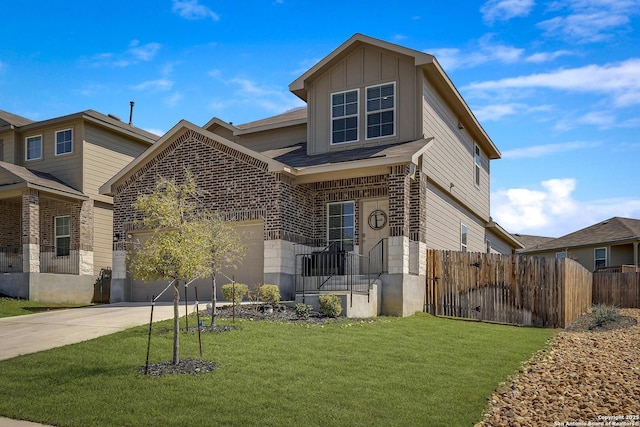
584, 376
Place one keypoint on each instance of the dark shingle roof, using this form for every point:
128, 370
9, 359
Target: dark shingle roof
7, 118
531, 242
297, 157
288, 116
43, 180
612, 230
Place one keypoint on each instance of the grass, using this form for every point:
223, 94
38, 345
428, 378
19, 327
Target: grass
418, 370
18, 307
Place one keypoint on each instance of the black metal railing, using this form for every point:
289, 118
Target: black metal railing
326, 269
10, 259
379, 258
60, 260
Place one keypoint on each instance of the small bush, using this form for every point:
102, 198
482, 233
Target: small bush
330, 305
241, 291
603, 313
270, 294
303, 310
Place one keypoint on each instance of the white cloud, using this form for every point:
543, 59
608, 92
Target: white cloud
504, 10
158, 132
601, 119
145, 52
191, 9
135, 54
496, 112
619, 80
172, 100
158, 85
550, 209
540, 57
547, 149
590, 20
485, 50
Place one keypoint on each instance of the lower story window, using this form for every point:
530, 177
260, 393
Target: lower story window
341, 225
63, 235
600, 257
463, 237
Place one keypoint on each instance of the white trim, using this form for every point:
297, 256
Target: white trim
394, 109
55, 141
464, 247
26, 147
357, 116
606, 263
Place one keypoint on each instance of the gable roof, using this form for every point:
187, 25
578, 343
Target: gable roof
16, 177
430, 67
610, 231
296, 116
531, 242
8, 119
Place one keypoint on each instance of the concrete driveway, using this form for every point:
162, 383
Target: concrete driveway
36, 332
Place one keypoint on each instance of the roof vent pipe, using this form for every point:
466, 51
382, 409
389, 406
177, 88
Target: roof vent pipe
131, 103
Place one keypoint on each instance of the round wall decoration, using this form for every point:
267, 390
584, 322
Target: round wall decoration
377, 219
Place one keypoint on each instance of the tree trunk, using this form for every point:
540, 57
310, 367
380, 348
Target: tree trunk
214, 300
176, 322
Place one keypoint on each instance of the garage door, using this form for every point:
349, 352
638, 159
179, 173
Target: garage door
250, 270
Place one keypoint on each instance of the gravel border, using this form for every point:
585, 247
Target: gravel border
585, 377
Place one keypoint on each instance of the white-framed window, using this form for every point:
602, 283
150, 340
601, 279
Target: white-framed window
477, 159
561, 255
33, 147
63, 235
341, 226
599, 257
64, 141
463, 237
381, 110
344, 116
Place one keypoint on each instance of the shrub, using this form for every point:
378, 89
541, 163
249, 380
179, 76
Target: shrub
241, 291
270, 294
603, 313
330, 305
303, 310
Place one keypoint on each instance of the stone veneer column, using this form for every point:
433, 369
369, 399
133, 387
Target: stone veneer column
399, 205
85, 247
30, 231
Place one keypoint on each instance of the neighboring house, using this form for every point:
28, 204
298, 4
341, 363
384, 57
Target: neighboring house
385, 161
55, 227
611, 243
530, 241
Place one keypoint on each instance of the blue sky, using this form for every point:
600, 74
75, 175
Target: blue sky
556, 84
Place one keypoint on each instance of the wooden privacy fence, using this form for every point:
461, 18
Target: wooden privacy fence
619, 289
514, 289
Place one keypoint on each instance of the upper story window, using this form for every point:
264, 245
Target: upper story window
381, 107
476, 164
463, 237
599, 257
344, 116
63, 235
33, 147
63, 141
341, 225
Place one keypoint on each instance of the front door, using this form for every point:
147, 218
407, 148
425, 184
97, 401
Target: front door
374, 226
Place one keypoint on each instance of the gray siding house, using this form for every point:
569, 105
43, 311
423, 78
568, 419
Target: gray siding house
346, 194
55, 227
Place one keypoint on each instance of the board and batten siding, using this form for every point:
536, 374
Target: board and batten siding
363, 67
450, 160
444, 217
105, 154
102, 236
66, 167
273, 139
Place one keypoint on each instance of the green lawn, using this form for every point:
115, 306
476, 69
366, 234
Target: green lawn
414, 371
18, 307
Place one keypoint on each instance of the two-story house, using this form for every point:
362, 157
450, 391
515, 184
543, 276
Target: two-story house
55, 228
343, 196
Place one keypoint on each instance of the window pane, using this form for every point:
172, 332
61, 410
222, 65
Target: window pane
386, 129
337, 111
337, 98
386, 90
348, 208
351, 109
335, 221
335, 234
601, 253
351, 97
339, 124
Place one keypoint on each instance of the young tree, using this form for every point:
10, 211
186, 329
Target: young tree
183, 243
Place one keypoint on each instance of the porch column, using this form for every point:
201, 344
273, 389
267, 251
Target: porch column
30, 231
399, 207
85, 245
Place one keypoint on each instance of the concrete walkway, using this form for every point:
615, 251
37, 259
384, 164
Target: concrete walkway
37, 332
